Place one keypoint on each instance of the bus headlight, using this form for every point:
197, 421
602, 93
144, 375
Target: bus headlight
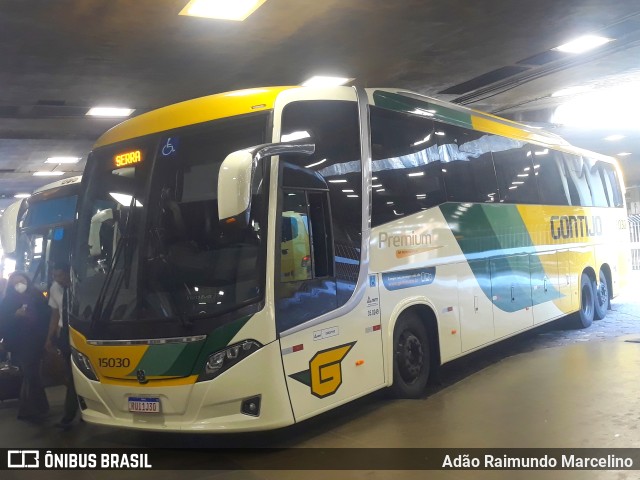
83, 364
222, 360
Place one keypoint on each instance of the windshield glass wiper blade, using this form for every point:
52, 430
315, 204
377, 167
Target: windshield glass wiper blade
99, 310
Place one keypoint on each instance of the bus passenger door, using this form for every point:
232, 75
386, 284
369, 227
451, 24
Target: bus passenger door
328, 362
511, 294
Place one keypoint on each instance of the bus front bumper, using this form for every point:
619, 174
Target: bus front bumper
209, 406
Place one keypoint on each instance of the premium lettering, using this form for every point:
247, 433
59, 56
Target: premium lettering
410, 240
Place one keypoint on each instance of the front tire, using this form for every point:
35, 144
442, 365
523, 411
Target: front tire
411, 357
584, 317
601, 302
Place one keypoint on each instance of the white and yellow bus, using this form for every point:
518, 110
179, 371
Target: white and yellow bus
429, 230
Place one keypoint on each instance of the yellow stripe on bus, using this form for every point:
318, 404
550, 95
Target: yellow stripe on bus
191, 112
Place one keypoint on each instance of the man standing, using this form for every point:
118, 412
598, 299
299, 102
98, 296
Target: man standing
59, 337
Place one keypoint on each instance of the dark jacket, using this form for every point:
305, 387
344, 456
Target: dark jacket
24, 336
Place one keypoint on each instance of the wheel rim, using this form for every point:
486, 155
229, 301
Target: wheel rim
409, 357
587, 301
603, 293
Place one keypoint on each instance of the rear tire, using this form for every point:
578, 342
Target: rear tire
584, 317
411, 357
601, 297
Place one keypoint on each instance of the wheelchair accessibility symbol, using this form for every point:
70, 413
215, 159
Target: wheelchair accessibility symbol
170, 147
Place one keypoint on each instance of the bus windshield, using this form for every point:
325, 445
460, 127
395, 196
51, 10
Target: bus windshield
150, 246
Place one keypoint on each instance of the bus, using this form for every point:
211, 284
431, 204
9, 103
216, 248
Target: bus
37, 230
430, 230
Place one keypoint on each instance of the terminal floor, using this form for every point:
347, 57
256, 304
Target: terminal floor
553, 387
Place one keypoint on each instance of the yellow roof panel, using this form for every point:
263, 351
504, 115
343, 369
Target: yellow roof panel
191, 112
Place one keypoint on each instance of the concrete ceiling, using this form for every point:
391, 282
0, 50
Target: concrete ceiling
59, 58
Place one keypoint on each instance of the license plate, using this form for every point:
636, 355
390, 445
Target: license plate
144, 405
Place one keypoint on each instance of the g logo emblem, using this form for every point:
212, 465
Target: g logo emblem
324, 376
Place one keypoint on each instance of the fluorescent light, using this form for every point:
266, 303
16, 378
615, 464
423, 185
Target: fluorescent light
380, 190
110, 112
323, 81
48, 174
62, 160
571, 91
614, 138
583, 44
389, 203
421, 195
542, 152
416, 174
348, 191
290, 137
603, 108
517, 183
440, 133
352, 196
317, 163
237, 10
512, 188
376, 186
624, 154
523, 174
337, 181
22, 195
374, 178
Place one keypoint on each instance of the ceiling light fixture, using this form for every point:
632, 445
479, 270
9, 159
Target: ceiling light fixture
41, 173
624, 154
109, 112
237, 10
324, 81
62, 160
22, 195
571, 91
614, 138
583, 44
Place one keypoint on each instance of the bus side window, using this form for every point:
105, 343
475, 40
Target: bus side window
295, 245
407, 171
575, 171
516, 173
552, 183
467, 164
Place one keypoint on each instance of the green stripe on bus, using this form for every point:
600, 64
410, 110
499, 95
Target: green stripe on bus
158, 359
217, 340
402, 103
488, 230
184, 359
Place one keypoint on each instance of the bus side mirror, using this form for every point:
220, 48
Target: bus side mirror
236, 178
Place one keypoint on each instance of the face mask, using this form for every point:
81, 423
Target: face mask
20, 287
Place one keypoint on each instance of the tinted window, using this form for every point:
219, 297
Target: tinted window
467, 165
335, 166
516, 173
576, 172
407, 171
612, 184
551, 182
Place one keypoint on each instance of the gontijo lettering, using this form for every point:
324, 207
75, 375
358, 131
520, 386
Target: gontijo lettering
572, 226
127, 158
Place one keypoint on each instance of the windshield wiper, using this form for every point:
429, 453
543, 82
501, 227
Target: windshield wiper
99, 310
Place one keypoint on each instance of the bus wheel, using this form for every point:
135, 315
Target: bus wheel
411, 361
584, 317
601, 297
